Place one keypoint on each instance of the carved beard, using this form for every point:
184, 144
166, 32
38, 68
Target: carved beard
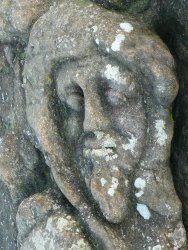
106, 150
106, 162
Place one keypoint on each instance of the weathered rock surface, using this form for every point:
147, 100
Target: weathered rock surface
88, 63
147, 10
96, 88
20, 164
174, 31
43, 223
131, 5
17, 16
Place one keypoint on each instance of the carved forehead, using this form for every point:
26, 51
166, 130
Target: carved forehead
74, 31
93, 72
72, 27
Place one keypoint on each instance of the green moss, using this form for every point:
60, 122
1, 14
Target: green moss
49, 81
171, 117
8, 124
4, 70
22, 56
138, 6
84, 3
94, 243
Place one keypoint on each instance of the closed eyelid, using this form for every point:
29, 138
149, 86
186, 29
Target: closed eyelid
74, 89
108, 85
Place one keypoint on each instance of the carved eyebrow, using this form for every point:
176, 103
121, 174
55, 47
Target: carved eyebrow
116, 78
112, 73
116, 86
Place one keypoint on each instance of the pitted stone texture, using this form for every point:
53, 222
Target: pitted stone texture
44, 224
115, 4
148, 10
17, 16
98, 100
8, 230
174, 30
33, 210
18, 157
20, 166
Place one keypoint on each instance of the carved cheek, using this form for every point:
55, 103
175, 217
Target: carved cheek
130, 123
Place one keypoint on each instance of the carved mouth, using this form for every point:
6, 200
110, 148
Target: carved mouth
103, 143
103, 153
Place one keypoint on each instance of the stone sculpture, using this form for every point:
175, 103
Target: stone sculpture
99, 87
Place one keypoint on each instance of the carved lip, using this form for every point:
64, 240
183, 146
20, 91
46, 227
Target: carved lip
100, 148
94, 143
91, 142
98, 152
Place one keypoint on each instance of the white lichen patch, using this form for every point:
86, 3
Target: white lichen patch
131, 145
102, 152
140, 183
99, 134
86, 152
105, 152
112, 73
109, 142
94, 28
80, 244
114, 156
49, 226
126, 183
62, 223
117, 43
39, 241
116, 169
108, 158
97, 41
111, 157
103, 181
127, 27
56, 206
161, 134
113, 187
157, 247
139, 194
143, 211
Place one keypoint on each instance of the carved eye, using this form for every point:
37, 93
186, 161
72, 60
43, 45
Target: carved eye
75, 98
117, 94
115, 97
112, 95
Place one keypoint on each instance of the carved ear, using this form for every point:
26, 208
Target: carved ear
165, 85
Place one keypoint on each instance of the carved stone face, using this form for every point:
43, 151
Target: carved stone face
115, 84
105, 124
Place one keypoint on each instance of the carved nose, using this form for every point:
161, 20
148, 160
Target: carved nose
94, 116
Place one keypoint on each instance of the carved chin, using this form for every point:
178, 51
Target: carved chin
112, 202
108, 184
107, 161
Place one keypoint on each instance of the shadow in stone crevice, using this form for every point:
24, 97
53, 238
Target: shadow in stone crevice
172, 33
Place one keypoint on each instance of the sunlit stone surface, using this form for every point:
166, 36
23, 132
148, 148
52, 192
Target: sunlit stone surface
86, 129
